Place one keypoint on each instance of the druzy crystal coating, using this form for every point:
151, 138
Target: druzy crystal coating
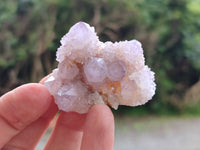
91, 72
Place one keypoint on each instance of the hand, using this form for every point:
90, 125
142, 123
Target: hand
26, 112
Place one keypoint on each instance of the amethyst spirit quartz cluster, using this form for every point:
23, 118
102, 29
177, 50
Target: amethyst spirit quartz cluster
91, 72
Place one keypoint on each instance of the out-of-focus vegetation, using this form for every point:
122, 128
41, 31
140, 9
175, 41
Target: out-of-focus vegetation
30, 31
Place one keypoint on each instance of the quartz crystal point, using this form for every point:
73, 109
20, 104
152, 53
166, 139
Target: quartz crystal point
91, 72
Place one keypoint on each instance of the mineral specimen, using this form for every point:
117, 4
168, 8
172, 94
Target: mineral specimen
91, 72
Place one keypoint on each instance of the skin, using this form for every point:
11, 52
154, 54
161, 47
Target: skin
26, 112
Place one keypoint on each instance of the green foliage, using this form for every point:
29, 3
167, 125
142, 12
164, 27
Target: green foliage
191, 33
193, 6
8, 9
192, 110
30, 31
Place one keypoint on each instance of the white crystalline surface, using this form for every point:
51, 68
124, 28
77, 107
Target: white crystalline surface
91, 72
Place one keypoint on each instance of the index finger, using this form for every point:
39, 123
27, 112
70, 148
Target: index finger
20, 107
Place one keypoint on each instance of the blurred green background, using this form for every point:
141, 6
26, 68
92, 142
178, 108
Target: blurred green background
30, 31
